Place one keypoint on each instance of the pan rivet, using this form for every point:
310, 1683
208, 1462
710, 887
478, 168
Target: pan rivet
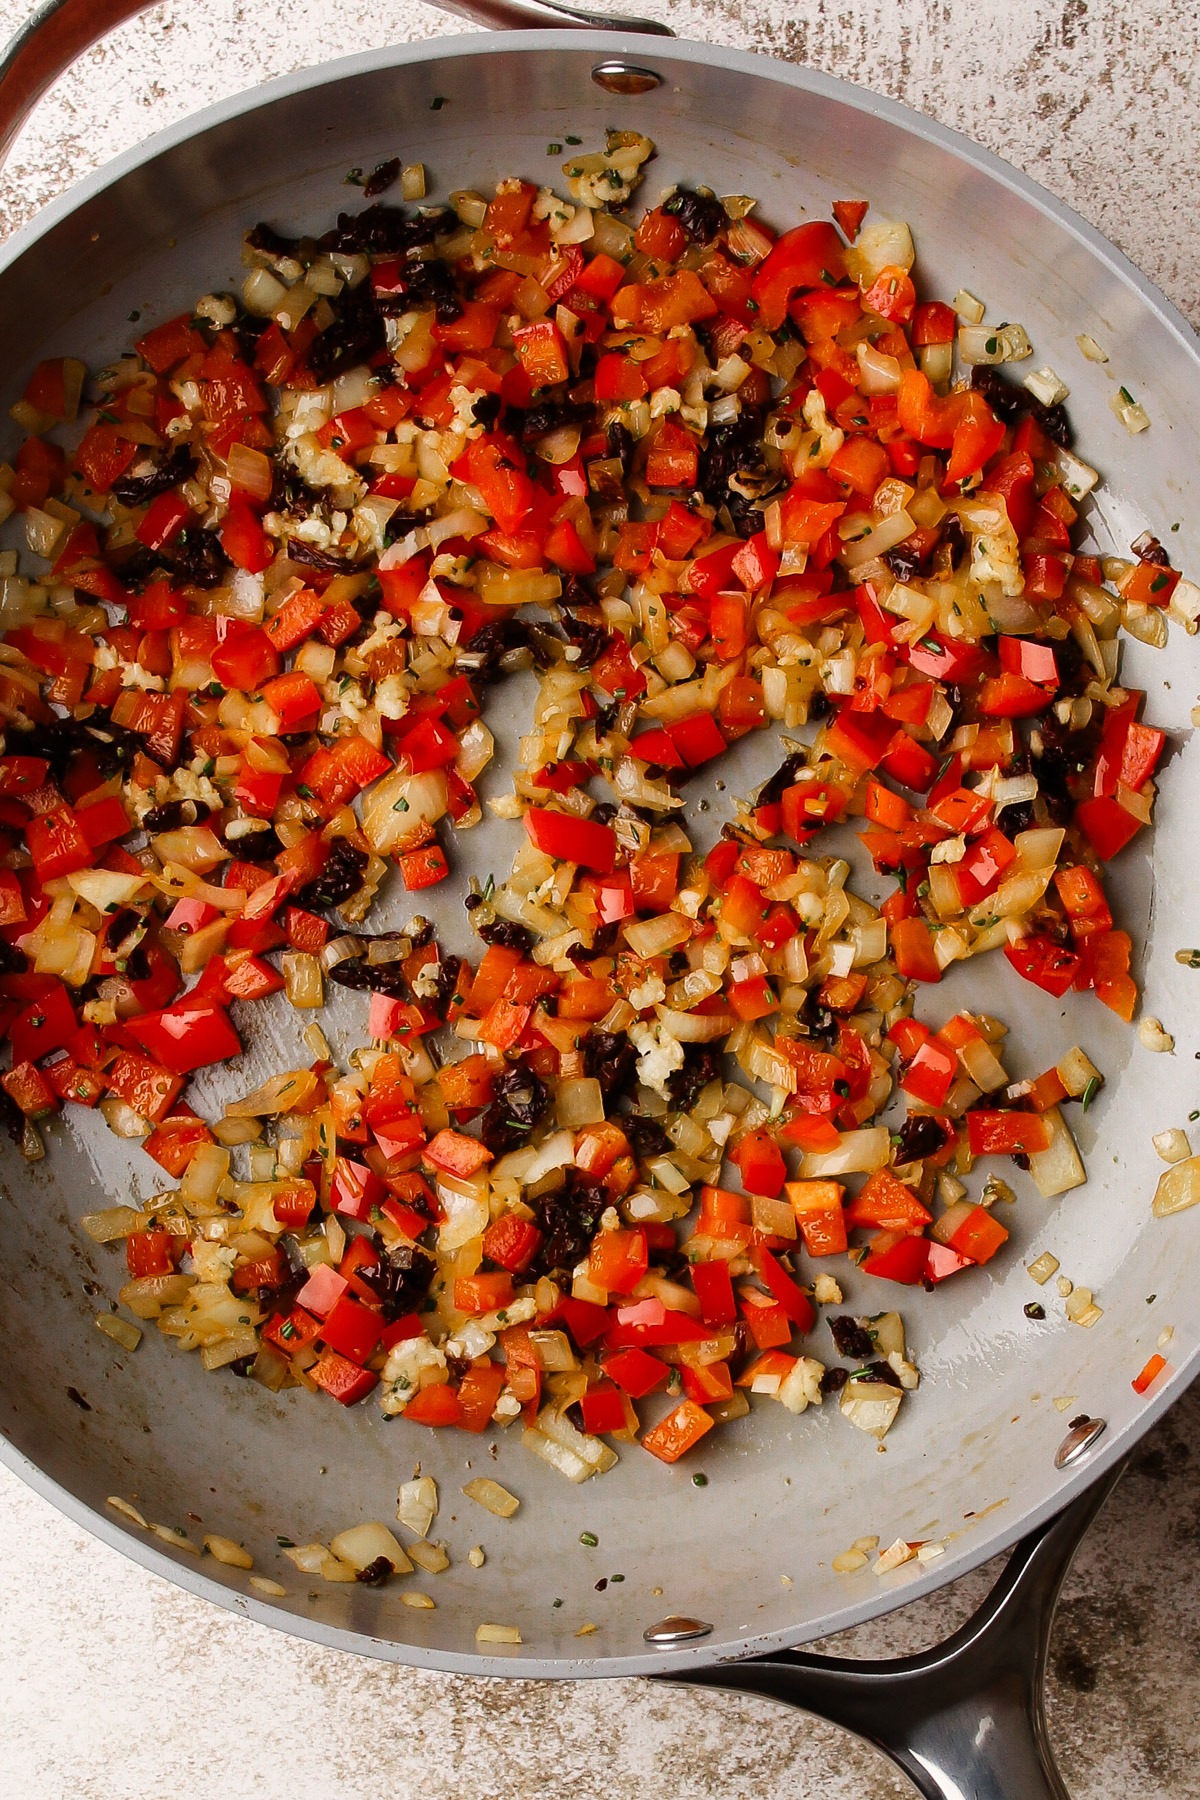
625, 78
675, 1631
1078, 1442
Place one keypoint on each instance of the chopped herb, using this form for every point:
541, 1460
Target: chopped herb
616, 1578
286, 1543
991, 346
437, 104
588, 1539
699, 1480
1090, 1091
304, 791
401, 805
1127, 397
553, 149
353, 178
574, 140
558, 1603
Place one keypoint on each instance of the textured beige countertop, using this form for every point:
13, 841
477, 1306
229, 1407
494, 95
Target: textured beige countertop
114, 1684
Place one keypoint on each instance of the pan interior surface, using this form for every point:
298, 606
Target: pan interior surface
971, 1459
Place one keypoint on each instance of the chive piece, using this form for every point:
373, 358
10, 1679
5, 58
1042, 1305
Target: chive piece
437, 104
1090, 1091
589, 1539
699, 1480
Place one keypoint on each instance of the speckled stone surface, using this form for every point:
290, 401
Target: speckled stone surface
114, 1684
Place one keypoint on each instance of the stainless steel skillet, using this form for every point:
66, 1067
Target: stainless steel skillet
975, 1457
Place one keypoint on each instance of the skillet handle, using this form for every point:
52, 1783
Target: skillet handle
967, 1718
61, 30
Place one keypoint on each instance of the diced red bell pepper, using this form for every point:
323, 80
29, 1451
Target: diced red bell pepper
820, 1215
175, 1141
456, 1154
1006, 1133
898, 1258
1106, 824
930, 1075
46, 1024
294, 698
512, 1242
979, 1236
912, 947
144, 1085
351, 1329
697, 738
184, 1037
478, 1393
152, 1253
678, 1433
243, 539
570, 839
245, 659
586, 1322
887, 1202
486, 1292
1104, 966
1148, 1374
636, 1371
1012, 697
603, 1410
354, 1189
759, 1160
1048, 965
342, 1379
57, 844
714, 1290
808, 256
436, 1405
423, 868
787, 1293
618, 1260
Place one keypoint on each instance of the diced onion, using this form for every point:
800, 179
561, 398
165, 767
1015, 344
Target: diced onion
859, 1153
1177, 1189
362, 1545
492, 1497
579, 1101
121, 1331
281, 1093
1058, 1168
417, 1504
224, 1550
883, 537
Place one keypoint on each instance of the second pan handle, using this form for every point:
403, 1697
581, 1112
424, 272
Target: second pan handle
61, 30
965, 1720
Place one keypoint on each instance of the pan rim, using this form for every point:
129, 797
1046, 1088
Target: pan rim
1116, 1444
